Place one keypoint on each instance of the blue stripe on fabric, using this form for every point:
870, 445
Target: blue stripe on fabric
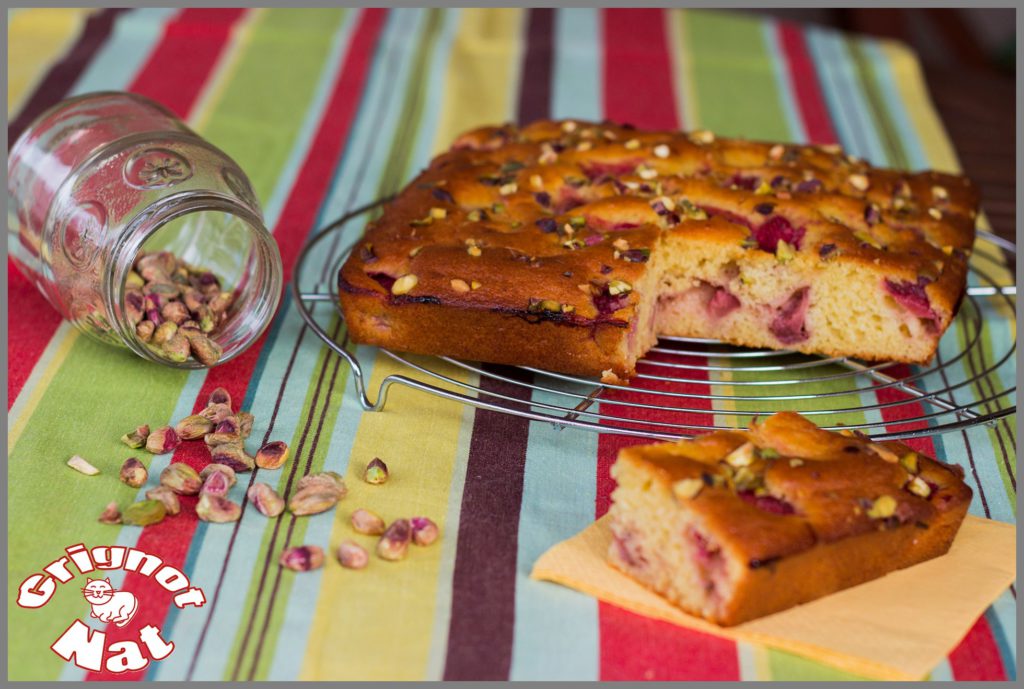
843, 95
577, 66
133, 38
556, 629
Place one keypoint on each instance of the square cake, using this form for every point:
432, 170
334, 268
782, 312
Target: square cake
570, 246
735, 525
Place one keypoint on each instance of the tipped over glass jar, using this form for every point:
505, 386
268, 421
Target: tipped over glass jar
139, 232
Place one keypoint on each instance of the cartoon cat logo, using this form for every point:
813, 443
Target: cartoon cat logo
109, 604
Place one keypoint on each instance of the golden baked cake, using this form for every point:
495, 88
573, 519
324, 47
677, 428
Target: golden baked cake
737, 525
571, 246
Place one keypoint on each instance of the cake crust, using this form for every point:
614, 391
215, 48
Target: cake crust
586, 240
777, 515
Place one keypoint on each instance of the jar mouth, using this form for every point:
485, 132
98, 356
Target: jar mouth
255, 276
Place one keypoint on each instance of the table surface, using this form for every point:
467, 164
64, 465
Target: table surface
328, 109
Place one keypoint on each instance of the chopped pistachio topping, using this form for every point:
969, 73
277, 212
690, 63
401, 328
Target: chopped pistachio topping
919, 487
784, 252
438, 213
632, 144
584, 146
882, 508
474, 215
621, 244
940, 193
884, 452
617, 287
742, 456
661, 151
474, 251
459, 285
935, 213
646, 172
776, 151
688, 488
506, 189
867, 238
768, 453
404, 284
796, 462
909, 462
702, 136
763, 189
568, 126
536, 181
859, 182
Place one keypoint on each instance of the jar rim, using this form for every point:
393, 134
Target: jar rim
155, 217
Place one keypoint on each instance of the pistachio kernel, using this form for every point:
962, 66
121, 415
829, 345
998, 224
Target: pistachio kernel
376, 472
144, 331
219, 396
688, 488
351, 555
205, 350
507, 189
302, 558
265, 499
216, 412
366, 522
181, 478
424, 531
233, 455
216, 508
245, 421
325, 480
193, 427
136, 439
617, 287
133, 472
882, 508
144, 513
162, 441
110, 515
784, 252
312, 501
272, 455
80, 465
216, 483
394, 543
167, 496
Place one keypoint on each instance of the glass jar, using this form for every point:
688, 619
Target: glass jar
100, 179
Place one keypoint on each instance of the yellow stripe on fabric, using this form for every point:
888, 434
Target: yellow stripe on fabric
37, 386
418, 437
213, 92
422, 437
37, 38
484, 62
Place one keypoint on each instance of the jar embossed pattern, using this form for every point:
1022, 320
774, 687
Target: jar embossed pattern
99, 179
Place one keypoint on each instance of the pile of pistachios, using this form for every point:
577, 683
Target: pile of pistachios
175, 307
224, 432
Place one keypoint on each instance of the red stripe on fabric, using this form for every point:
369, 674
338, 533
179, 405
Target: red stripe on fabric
176, 70
977, 657
170, 540
191, 45
31, 323
806, 87
638, 83
896, 417
634, 647
638, 88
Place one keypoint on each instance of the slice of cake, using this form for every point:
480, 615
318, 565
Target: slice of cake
571, 246
737, 525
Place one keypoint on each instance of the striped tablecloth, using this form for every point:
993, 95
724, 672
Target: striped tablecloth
326, 110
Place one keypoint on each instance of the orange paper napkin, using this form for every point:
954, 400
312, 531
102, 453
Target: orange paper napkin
897, 627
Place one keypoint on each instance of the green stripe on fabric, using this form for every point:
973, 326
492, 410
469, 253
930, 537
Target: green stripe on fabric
787, 667
734, 82
319, 412
263, 106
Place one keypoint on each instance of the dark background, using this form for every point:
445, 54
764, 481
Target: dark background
969, 58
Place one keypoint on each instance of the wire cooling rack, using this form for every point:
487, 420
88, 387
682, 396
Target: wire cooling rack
687, 386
